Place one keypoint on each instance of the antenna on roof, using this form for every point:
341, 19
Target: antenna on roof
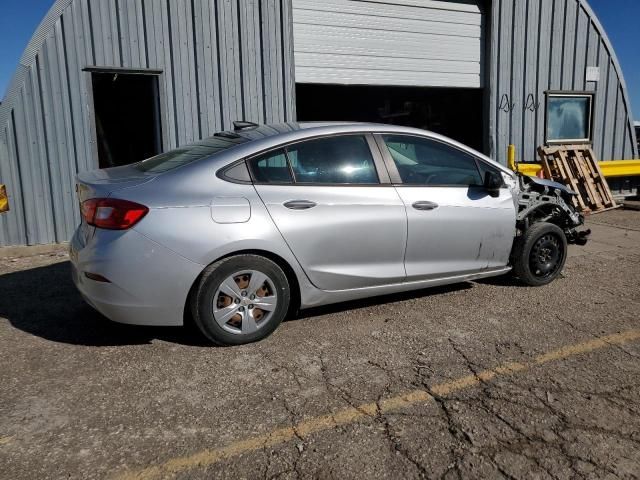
242, 125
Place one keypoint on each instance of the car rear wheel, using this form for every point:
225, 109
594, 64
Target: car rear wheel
539, 255
240, 299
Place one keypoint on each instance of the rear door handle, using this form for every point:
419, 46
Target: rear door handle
425, 205
300, 204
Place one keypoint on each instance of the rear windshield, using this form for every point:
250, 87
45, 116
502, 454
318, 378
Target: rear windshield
189, 153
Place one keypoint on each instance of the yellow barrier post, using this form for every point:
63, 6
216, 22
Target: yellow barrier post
610, 168
511, 158
530, 169
4, 199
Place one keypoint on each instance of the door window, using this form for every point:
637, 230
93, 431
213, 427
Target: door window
421, 161
333, 160
271, 168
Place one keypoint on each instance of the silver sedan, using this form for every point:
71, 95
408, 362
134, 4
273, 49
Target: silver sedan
247, 226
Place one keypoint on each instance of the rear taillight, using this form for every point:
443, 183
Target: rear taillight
112, 213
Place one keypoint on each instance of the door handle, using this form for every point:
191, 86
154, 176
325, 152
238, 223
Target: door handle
425, 205
300, 204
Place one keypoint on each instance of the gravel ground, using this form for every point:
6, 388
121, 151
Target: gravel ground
453, 382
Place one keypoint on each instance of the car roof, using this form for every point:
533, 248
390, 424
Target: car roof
257, 132
253, 139
278, 133
276, 129
307, 129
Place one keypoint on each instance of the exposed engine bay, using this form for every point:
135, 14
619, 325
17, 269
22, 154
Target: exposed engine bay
542, 200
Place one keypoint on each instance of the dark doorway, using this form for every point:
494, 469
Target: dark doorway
127, 114
454, 112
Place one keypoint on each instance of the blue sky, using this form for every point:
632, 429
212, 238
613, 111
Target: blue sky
621, 19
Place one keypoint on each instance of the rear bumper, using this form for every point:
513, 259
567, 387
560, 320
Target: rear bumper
148, 284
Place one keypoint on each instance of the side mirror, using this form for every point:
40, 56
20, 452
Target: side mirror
492, 183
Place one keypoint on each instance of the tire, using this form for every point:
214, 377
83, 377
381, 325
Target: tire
539, 255
240, 299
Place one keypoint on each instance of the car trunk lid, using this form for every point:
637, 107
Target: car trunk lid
102, 183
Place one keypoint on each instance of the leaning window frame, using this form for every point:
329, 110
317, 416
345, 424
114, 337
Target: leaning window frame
571, 94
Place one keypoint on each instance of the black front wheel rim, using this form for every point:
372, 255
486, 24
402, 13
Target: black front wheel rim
546, 256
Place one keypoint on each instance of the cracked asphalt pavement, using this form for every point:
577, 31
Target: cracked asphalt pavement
480, 380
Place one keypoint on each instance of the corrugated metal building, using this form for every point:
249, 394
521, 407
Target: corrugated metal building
108, 82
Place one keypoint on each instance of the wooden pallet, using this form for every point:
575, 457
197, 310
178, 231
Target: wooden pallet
576, 166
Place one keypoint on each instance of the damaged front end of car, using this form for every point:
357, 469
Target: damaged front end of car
542, 200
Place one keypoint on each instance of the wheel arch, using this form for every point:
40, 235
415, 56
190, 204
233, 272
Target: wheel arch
292, 278
555, 213
545, 208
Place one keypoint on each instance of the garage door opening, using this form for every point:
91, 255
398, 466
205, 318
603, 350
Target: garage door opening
454, 112
127, 116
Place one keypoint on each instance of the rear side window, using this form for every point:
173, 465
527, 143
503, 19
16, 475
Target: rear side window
421, 161
271, 168
333, 160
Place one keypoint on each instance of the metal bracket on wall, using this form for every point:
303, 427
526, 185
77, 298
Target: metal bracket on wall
531, 104
506, 105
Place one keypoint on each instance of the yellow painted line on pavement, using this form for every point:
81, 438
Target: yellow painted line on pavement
351, 415
573, 350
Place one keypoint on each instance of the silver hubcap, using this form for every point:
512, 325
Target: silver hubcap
245, 302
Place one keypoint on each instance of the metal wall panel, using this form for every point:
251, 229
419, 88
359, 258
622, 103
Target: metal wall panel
542, 45
221, 60
370, 42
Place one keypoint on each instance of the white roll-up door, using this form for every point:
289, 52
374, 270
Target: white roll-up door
388, 42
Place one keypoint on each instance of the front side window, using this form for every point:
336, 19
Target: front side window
271, 167
421, 161
569, 118
333, 160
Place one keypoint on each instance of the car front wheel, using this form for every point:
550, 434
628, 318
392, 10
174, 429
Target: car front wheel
240, 299
539, 255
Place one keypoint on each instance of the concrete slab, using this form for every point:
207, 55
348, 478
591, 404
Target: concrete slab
326, 395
